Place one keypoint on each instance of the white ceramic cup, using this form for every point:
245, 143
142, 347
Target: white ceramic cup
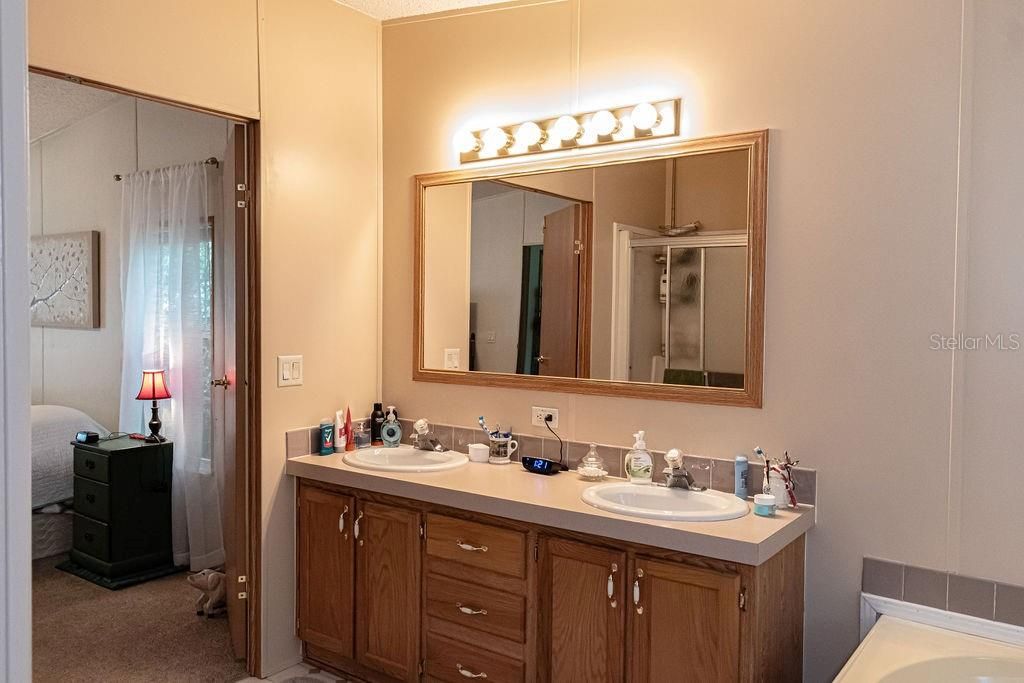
478, 452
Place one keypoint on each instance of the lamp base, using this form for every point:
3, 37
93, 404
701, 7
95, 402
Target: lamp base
154, 427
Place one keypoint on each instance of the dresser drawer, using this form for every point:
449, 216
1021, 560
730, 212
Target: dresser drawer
477, 545
95, 466
484, 609
91, 537
455, 662
92, 499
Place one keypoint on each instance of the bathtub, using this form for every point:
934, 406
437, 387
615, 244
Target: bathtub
899, 651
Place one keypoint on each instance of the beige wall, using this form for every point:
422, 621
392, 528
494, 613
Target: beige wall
320, 175
985, 535
194, 51
862, 101
72, 189
712, 189
447, 216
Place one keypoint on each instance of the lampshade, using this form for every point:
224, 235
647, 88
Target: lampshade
154, 386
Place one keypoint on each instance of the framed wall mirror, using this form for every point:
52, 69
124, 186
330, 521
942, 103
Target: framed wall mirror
636, 273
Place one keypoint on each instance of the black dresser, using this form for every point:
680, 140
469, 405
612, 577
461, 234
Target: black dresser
122, 523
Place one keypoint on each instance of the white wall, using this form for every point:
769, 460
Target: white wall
72, 189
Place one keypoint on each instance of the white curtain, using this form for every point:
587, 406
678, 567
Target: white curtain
166, 292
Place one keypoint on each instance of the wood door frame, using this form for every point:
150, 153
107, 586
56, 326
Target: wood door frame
750, 396
247, 269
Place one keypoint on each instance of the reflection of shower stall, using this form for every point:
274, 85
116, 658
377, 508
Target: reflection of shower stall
660, 326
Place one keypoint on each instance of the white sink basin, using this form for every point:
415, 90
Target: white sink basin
659, 502
404, 459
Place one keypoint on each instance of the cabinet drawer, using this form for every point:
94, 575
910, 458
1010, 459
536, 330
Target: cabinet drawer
484, 609
92, 499
454, 662
92, 465
477, 545
91, 537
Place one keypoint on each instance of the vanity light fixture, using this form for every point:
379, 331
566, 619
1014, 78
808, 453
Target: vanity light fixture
605, 123
567, 132
467, 142
567, 128
645, 116
497, 139
530, 134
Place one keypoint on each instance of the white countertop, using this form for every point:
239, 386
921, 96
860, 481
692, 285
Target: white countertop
510, 491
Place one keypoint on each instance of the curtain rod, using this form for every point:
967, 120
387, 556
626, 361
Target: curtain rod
211, 161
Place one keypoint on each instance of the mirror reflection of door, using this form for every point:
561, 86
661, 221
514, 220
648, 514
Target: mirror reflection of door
559, 309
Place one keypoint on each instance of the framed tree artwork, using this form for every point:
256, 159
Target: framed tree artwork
64, 270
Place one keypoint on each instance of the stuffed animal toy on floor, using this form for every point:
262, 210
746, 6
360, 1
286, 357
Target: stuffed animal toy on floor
213, 600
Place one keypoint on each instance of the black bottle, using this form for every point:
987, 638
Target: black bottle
376, 422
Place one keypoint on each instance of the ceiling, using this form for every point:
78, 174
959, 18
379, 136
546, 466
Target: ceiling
395, 9
54, 104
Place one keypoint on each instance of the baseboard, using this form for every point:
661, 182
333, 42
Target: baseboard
874, 606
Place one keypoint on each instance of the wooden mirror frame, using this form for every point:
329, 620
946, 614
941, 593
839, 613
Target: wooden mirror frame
750, 396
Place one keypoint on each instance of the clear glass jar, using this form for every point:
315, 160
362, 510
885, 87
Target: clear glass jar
592, 466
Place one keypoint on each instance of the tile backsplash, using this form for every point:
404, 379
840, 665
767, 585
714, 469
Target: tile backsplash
981, 598
713, 472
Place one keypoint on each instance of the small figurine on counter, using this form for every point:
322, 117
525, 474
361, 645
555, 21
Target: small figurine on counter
778, 478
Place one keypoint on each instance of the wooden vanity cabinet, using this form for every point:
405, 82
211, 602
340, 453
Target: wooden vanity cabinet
583, 612
391, 590
358, 576
684, 623
326, 570
388, 589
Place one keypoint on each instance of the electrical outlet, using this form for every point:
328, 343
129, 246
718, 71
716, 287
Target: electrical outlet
492, 337
540, 413
289, 371
452, 359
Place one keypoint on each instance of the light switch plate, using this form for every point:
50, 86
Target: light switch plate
452, 359
289, 371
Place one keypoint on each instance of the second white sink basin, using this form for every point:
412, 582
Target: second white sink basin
659, 502
404, 458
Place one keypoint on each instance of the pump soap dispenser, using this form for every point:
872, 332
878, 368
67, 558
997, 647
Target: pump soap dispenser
639, 465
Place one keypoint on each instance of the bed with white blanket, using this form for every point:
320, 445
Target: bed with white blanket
53, 430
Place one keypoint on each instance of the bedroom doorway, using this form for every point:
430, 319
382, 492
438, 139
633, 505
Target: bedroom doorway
144, 273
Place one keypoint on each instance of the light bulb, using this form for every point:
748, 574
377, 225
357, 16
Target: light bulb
496, 139
567, 128
530, 134
645, 116
466, 142
604, 123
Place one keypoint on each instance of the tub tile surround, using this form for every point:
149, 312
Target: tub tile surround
968, 595
715, 473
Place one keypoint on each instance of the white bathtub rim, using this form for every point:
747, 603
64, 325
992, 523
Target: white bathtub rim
874, 606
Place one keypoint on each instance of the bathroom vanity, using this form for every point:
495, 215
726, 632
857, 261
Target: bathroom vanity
493, 573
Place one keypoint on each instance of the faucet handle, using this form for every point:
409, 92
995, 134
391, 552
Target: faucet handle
674, 459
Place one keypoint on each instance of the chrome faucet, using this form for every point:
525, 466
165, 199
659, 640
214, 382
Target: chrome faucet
676, 475
424, 439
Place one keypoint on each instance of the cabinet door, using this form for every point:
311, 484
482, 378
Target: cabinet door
582, 612
685, 623
388, 590
326, 569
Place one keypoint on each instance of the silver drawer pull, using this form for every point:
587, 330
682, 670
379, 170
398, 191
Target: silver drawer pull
470, 610
636, 591
341, 521
355, 529
469, 674
471, 548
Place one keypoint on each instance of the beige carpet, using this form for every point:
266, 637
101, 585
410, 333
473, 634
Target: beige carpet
150, 632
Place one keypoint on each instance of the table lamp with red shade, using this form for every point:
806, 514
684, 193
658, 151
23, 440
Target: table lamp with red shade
154, 388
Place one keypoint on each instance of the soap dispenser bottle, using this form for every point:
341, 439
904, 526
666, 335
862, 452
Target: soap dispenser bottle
639, 466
